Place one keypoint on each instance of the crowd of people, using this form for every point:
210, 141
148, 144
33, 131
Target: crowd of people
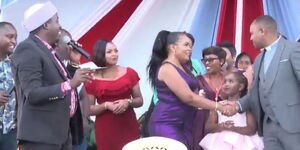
46, 99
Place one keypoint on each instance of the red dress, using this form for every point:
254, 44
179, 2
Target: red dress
114, 131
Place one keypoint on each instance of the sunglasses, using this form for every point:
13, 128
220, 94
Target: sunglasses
210, 60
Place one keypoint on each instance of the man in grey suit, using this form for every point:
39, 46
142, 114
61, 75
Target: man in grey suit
45, 91
275, 95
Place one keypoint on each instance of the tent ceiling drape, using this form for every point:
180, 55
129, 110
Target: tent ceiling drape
133, 24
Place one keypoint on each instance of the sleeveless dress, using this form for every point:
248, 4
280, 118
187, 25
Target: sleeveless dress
112, 131
171, 117
228, 140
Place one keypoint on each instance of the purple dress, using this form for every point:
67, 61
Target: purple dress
202, 115
171, 117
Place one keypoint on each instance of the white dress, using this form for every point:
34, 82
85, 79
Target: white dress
228, 140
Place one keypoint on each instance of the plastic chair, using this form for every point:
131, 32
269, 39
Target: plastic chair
155, 143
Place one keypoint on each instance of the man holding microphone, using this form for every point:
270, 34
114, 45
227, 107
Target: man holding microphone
46, 92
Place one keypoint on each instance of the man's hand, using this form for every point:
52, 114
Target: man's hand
4, 97
228, 108
81, 75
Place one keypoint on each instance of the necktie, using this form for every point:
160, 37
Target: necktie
261, 63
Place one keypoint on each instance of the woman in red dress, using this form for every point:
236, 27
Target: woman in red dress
116, 90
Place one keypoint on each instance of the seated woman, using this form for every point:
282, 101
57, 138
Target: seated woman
211, 84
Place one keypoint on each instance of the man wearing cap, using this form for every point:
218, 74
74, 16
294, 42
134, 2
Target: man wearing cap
45, 91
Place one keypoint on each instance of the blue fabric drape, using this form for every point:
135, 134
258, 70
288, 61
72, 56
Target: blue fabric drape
205, 26
286, 13
5, 2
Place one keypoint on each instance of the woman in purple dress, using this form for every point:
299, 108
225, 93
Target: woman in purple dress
177, 89
211, 84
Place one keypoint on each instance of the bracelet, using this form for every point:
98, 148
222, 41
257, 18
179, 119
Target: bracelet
105, 106
130, 101
216, 108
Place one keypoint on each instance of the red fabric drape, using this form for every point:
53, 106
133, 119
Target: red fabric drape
109, 25
227, 21
251, 10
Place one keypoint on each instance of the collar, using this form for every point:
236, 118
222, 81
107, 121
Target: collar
268, 48
7, 59
45, 43
65, 62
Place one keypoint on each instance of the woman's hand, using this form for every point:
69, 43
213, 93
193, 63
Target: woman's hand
110, 106
121, 106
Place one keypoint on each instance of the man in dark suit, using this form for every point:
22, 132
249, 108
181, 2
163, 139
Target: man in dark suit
275, 95
45, 91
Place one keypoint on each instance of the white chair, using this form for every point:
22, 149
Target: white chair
155, 143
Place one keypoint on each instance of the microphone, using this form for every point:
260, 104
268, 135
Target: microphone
67, 40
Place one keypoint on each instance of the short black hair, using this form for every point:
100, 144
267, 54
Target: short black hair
240, 56
99, 52
230, 47
215, 50
4, 23
266, 22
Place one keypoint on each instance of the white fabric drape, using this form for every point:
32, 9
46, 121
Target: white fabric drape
205, 25
77, 16
91, 18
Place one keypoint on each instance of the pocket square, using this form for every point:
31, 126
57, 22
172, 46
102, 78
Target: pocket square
283, 60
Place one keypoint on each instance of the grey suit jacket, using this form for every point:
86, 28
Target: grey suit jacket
43, 112
281, 88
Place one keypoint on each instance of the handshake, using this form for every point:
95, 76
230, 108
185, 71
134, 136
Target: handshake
228, 108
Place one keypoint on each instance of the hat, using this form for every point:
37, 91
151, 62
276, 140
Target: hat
37, 15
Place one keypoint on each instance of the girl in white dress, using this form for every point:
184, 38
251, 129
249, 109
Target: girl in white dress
237, 132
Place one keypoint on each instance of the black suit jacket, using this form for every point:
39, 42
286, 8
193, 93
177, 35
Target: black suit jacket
44, 113
76, 123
